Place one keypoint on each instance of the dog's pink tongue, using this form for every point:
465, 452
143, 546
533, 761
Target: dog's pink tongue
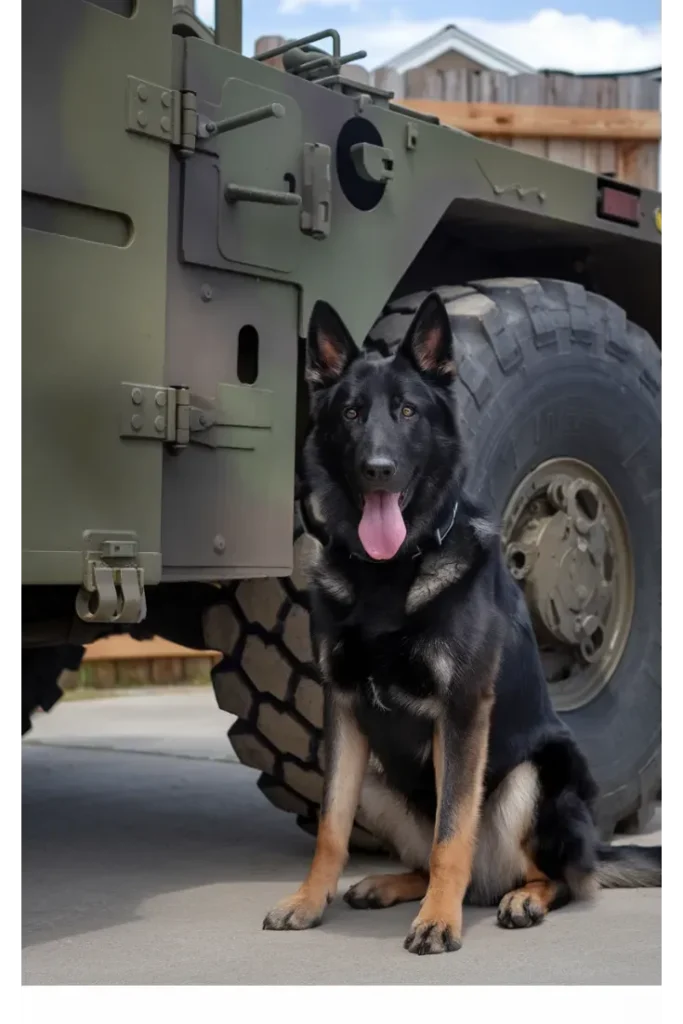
381, 529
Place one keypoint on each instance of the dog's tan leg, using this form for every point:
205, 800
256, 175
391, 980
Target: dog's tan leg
378, 891
459, 761
529, 904
346, 760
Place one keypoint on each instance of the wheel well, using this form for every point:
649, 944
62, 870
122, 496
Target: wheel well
464, 248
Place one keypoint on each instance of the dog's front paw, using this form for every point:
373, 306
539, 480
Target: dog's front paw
294, 914
432, 937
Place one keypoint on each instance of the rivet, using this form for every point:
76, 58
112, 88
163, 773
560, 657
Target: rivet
206, 292
165, 124
160, 423
219, 543
136, 395
136, 422
166, 99
160, 399
142, 92
142, 118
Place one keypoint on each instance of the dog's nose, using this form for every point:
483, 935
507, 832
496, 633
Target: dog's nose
378, 470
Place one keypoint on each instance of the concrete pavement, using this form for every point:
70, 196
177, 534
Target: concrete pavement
150, 857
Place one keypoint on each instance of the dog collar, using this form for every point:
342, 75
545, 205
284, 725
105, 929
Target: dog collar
315, 530
442, 534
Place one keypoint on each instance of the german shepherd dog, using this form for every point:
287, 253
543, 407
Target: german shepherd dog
438, 725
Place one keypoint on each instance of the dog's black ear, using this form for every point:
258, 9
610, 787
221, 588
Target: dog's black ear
331, 349
428, 345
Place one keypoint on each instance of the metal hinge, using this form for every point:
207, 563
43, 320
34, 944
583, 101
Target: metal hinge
161, 113
177, 417
113, 588
155, 412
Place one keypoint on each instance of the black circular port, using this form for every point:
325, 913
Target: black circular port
364, 195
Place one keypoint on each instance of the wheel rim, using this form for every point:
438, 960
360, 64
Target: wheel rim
566, 542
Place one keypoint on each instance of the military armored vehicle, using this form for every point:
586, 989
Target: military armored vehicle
184, 206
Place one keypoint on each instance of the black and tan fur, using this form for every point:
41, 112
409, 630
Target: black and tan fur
439, 730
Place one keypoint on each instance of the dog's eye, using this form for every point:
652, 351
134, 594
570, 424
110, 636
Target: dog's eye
407, 410
351, 413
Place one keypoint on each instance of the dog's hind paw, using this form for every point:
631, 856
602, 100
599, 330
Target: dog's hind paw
379, 891
520, 909
294, 914
431, 937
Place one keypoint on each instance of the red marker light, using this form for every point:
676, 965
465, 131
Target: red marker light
619, 204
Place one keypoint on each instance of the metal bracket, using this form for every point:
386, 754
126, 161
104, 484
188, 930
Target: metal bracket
412, 136
316, 190
373, 163
150, 411
113, 587
162, 113
153, 110
520, 191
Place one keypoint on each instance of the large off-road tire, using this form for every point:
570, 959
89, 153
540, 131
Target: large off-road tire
41, 668
268, 680
546, 371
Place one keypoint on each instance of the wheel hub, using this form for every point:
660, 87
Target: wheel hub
566, 543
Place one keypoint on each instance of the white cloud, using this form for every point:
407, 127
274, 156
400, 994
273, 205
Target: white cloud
205, 11
574, 42
549, 39
294, 6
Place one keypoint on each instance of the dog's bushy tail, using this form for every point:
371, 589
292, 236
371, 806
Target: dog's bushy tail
629, 867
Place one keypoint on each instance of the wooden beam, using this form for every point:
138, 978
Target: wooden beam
507, 120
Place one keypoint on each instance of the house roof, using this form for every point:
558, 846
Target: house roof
654, 73
453, 38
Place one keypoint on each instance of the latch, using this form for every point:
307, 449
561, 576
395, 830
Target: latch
374, 163
236, 418
177, 417
113, 588
162, 113
316, 190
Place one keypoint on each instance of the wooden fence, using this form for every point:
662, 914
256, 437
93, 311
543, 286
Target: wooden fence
609, 124
622, 143
121, 662
546, 88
